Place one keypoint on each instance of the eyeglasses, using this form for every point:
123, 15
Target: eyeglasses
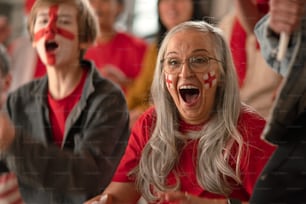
197, 64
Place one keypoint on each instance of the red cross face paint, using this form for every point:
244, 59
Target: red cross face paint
169, 79
210, 79
55, 32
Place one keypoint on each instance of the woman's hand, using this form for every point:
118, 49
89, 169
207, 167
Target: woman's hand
179, 197
100, 199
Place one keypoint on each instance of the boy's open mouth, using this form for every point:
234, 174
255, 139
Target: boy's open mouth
51, 46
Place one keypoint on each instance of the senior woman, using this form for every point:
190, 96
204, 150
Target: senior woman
198, 142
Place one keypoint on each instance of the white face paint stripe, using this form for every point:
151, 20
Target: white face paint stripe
210, 79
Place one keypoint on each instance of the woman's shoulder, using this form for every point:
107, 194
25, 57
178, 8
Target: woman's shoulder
250, 122
144, 126
149, 115
250, 115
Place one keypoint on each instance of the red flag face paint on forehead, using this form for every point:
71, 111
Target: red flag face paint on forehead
55, 34
52, 29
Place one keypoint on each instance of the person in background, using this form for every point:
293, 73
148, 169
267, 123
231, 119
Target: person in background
5, 30
5, 74
283, 178
26, 64
64, 134
117, 54
9, 192
170, 14
198, 143
251, 67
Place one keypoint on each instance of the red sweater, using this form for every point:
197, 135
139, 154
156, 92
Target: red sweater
250, 126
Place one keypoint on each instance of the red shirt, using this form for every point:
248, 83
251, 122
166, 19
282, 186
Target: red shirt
124, 51
60, 109
238, 42
250, 126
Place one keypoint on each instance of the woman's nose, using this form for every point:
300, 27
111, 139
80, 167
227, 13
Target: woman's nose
186, 70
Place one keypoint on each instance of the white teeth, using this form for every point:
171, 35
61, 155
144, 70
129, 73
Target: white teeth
188, 87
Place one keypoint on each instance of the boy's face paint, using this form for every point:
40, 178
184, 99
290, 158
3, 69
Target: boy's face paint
52, 29
55, 32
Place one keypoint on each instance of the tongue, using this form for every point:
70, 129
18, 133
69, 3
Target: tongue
190, 98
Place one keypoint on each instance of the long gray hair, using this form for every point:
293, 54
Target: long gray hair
162, 152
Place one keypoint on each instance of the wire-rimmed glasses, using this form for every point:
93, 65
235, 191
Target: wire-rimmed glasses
197, 64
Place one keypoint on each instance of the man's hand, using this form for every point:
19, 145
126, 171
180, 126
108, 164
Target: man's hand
286, 15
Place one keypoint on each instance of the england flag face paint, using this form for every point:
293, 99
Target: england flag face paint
210, 79
169, 81
52, 29
55, 32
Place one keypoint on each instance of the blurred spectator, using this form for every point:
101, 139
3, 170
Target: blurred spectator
283, 178
258, 83
5, 30
9, 191
118, 55
26, 65
170, 14
59, 133
5, 75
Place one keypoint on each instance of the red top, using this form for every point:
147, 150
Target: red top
238, 42
60, 109
124, 51
250, 126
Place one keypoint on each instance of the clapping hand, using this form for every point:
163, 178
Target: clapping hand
100, 199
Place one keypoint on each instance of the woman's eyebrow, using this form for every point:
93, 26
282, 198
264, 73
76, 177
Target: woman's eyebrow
171, 53
193, 51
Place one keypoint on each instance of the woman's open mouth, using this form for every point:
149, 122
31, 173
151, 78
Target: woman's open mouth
189, 94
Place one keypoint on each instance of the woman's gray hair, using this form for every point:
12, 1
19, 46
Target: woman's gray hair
162, 152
